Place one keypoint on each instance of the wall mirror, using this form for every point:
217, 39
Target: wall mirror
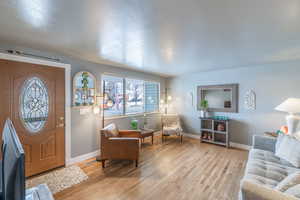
220, 98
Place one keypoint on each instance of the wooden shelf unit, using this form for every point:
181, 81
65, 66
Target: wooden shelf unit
209, 131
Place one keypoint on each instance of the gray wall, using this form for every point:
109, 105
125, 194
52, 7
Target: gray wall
272, 83
85, 128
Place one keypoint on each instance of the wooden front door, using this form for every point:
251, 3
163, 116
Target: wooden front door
33, 97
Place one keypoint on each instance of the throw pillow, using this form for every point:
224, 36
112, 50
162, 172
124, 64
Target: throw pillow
289, 150
288, 182
111, 131
294, 191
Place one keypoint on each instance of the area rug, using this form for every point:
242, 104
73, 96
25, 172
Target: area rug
60, 179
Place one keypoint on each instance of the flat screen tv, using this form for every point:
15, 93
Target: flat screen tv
13, 164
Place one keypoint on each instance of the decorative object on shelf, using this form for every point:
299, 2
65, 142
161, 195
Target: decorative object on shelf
204, 107
250, 100
291, 106
221, 127
220, 118
284, 129
84, 89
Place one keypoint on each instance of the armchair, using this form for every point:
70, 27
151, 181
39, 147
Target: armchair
119, 145
171, 126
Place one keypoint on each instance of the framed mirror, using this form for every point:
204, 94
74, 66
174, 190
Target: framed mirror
220, 98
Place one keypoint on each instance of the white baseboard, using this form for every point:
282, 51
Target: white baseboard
232, 144
192, 135
240, 146
82, 157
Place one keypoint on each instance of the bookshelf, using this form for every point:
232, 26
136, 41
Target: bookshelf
214, 131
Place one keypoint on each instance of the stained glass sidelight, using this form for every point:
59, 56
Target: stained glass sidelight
34, 104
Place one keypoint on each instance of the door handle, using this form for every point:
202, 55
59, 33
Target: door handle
60, 125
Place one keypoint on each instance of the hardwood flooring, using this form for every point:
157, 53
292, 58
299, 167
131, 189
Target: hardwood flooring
168, 171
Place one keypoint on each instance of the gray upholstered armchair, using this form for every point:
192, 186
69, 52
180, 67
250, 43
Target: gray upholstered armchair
171, 126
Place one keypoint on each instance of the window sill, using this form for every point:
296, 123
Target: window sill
130, 115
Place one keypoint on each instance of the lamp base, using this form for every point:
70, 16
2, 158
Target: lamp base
292, 123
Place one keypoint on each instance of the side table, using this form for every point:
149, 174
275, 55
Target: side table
147, 133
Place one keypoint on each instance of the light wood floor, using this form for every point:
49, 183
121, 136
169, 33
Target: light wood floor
168, 171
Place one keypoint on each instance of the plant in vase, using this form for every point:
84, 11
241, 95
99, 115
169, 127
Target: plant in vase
204, 108
134, 124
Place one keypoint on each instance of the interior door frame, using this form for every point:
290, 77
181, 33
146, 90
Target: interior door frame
67, 68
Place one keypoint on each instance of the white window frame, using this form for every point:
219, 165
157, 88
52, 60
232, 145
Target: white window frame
124, 115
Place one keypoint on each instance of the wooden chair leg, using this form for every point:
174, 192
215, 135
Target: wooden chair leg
181, 138
152, 139
136, 163
103, 163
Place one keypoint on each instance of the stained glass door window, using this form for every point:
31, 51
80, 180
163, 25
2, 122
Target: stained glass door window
34, 104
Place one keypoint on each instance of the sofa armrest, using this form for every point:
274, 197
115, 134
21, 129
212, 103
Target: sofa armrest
264, 143
251, 190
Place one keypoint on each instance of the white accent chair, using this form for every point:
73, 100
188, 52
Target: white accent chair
171, 126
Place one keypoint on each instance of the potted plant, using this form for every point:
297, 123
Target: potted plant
134, 124
204, 108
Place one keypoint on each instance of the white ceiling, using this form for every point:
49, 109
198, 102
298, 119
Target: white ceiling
169, 37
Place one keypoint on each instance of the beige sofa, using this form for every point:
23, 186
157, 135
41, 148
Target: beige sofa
264, 171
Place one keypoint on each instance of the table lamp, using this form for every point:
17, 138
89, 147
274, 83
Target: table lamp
291, 106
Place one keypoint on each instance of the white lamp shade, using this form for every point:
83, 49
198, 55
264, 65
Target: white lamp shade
291, 105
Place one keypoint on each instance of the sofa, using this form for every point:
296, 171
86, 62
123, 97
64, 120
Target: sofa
264, 172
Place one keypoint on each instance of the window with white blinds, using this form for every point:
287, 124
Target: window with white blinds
151, 96
125, 96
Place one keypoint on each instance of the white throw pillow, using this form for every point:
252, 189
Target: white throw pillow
288, 182
289, 150
111, 130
